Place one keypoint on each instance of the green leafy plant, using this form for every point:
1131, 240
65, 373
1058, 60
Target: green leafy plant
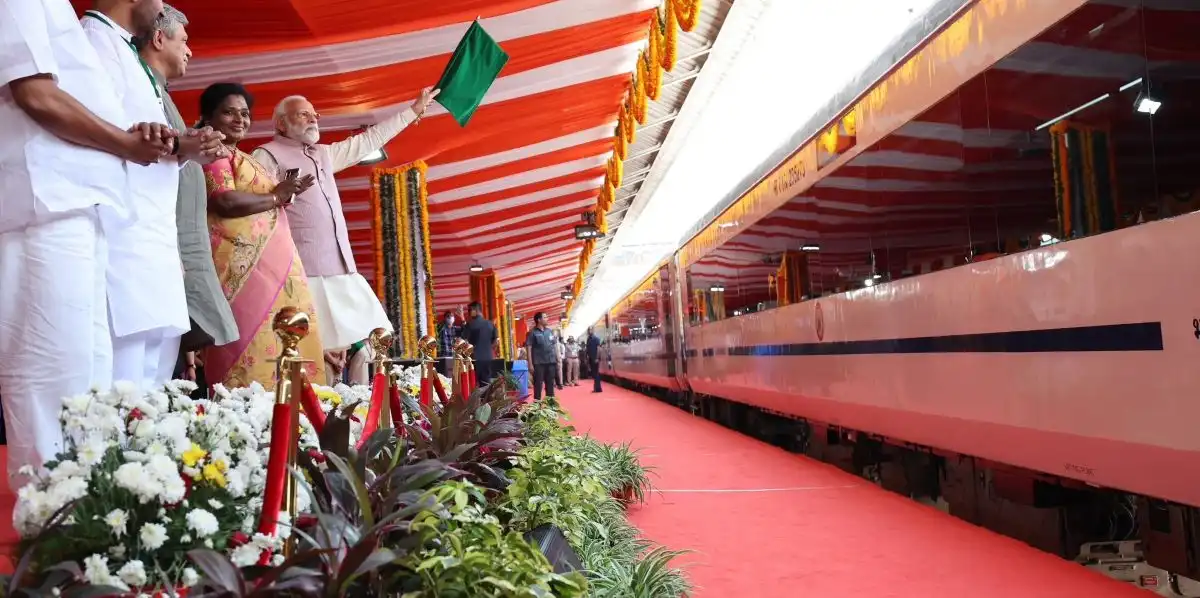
465, 552
570, 481
622, 472
478, 436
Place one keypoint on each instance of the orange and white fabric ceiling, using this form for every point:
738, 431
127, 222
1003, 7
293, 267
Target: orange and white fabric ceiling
507, 190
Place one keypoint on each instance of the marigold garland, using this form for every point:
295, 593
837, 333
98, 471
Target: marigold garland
670, 38
687, 12
400, 221
660, 55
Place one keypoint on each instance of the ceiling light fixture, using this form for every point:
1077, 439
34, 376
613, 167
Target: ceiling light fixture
374, 157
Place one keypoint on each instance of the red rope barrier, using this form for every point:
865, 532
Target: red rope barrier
377, 398
312, 408
397, 408
277, 468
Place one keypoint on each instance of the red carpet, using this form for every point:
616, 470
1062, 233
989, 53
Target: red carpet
765, 523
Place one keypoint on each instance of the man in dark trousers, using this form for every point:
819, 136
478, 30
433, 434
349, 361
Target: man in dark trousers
593, 357
480, 332
543, 354
447, 333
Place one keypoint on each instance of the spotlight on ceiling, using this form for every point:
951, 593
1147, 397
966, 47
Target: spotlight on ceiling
870, 282
567, 296
587, 231
810, 248
877, 276
374, 157
476, 268
1146, 104
716, 288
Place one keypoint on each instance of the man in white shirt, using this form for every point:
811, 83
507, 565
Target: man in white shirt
148, 307
347, 309
63, 173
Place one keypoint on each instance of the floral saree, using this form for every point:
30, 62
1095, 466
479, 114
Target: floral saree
261, 273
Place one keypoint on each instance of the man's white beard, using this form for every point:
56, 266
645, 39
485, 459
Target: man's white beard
307, 134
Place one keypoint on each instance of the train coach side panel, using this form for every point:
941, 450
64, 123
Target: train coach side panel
646, 361
1077, 359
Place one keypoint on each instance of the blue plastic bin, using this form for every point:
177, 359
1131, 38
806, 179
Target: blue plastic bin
520, 371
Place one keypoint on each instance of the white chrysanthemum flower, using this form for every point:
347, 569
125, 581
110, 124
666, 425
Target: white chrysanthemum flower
245, 555
118, 522
153, 536
133, 573
190, 577
216, 504
91, 452
202, 522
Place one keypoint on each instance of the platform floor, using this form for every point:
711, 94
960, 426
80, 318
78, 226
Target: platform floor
765, 523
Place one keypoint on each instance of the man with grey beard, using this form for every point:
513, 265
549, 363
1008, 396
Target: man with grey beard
347, 309
166, 53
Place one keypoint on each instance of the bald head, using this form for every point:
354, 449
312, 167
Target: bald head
296, 119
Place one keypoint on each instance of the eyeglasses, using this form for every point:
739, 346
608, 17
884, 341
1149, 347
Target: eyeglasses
306, 115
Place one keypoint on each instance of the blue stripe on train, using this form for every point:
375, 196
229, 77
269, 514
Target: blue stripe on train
1145, 336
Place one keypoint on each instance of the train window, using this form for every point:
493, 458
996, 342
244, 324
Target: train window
1072, 118
638, 316
1085, 129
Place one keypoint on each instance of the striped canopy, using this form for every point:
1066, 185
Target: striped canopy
507, 190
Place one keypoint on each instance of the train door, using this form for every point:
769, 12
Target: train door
666, 319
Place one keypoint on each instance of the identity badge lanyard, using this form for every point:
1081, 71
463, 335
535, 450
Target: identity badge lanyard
132, 48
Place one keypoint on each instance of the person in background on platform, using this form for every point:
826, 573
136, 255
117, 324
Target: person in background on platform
346, 305
585, 370
63, 167
560, 360
543, 353
593, 357
148, 311
572, 362
166, 52
447, 332
255, 258
481, 333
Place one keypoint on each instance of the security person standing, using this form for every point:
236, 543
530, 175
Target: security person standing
543, 354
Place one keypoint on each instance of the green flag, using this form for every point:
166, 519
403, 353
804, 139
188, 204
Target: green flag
473, 68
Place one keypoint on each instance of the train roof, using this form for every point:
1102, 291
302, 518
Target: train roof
922, 29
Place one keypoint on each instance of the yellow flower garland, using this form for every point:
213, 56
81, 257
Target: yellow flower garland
424, 199
406, 291
687, 12
659, 56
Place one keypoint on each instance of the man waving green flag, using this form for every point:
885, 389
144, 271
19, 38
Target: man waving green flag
473, 68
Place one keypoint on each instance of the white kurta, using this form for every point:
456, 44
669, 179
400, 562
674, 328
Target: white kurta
54, 334
347, 308
148, 305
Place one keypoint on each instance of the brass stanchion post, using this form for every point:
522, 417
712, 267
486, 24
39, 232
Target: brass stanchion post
381, 342
291, 326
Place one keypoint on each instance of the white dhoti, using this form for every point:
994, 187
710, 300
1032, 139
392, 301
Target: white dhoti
146, 358
347, 309
54, 334
359, 366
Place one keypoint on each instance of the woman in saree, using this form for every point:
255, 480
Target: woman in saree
257, 262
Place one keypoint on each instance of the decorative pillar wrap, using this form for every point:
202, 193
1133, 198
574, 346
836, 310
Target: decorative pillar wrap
1085, 180
485, 288
403, 265
792, 279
